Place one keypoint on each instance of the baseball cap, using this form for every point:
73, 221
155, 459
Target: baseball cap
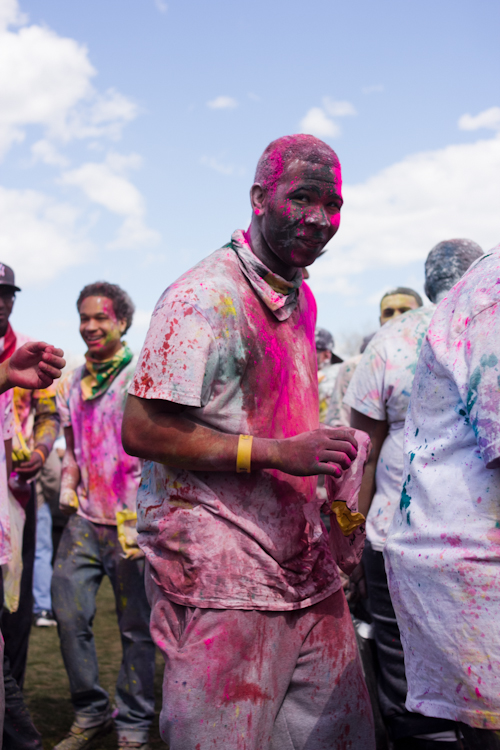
7, 277
324, 339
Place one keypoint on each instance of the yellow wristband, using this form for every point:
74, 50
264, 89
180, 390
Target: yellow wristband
40, 453
244, 455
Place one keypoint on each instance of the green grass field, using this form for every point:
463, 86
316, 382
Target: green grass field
47, 690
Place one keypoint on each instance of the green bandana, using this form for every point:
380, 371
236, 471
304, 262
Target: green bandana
98, 376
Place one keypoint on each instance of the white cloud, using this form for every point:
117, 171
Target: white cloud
45, 151
338, 108
317, 123
10, 14
489, 118
39, 236
46, 94
218, 166
222, 102
161, 6
395, 217
376, 89
46, 81
105, 183
318, 120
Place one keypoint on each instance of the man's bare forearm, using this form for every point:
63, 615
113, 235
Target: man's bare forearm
159, 431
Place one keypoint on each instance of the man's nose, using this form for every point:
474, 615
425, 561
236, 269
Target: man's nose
317, 215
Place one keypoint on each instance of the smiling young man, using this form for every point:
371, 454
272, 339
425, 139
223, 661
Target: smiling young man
247, 604
99, 480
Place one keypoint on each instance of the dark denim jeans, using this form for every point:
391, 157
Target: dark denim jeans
87, 552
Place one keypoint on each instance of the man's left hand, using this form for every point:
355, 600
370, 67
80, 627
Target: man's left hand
35, 365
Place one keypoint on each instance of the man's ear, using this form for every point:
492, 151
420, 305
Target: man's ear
122, 325
258, 198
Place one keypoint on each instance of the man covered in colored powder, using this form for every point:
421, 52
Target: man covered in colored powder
36, 428
99, 486
30, 367
443, 549
378, 395
247, 604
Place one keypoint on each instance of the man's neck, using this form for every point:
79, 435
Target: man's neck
261, 249
3, 330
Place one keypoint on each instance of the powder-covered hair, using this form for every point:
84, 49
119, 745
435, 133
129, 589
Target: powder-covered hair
272, 163
404, 290
122, 304
446, 264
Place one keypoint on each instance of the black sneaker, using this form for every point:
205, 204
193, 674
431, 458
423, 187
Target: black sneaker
44, 619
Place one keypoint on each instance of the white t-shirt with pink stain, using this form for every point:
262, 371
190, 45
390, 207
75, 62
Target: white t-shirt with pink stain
6, 433
443, 549
380, 388
222, 539
109, 478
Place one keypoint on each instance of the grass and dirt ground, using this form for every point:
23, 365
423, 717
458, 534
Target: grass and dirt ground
46, 687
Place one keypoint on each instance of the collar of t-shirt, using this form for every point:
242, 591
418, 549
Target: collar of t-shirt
280, 296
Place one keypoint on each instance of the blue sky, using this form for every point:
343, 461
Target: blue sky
129, 133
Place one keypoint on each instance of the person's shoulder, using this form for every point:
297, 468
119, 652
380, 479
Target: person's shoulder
477, 291
68, 380
212, 275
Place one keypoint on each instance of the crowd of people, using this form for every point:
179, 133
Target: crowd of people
260, 506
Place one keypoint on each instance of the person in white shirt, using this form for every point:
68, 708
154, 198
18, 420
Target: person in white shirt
378, 395
443, 549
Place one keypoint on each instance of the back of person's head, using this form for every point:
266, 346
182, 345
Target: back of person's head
276, 156
446, 264
122, 304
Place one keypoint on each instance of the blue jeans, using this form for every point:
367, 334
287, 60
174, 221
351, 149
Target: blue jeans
42, 571
87, 552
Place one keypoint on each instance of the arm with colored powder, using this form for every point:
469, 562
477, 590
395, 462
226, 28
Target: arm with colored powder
157, 430
45, 431
377, 429
70, 477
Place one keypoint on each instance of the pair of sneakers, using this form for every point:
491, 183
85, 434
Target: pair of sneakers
81, 739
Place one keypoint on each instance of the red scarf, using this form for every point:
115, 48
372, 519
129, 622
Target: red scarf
9, 344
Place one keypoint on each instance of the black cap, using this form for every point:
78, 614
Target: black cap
7, 277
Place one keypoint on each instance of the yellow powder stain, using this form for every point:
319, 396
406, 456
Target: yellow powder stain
181, 504
237, 711
227, 307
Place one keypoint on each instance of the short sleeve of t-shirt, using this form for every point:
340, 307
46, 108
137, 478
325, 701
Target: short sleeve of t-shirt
62, 399
179, 359
7, 408
479, 381
366, 389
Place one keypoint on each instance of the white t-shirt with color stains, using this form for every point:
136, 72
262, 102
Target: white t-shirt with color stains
443, 549
222, 343
380, 388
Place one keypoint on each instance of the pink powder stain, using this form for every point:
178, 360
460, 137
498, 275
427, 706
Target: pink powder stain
209, 642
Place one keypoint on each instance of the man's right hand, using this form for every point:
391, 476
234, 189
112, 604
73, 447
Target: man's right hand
327, 450
68, 502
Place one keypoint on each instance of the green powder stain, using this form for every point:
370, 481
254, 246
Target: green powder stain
405, 501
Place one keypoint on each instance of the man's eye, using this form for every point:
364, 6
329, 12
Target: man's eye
302, 198
388, 312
